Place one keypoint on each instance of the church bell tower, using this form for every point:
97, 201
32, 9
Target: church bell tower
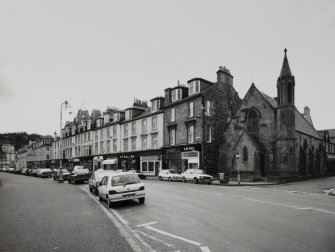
285, 123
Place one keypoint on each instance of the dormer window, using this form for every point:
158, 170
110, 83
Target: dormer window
176, 94
116, 117
154, 105
88, 124
129, 114
194, 87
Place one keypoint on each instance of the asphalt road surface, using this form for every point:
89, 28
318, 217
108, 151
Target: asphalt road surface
175, 217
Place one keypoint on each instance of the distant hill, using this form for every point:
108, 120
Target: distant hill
18, 139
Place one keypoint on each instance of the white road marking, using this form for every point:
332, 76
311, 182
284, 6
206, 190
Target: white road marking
174, 236
217, 194
121, 228
156, 239
205, 249
295, 207
147, 224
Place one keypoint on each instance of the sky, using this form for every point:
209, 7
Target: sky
99, 54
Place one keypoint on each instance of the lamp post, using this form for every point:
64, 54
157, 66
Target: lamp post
67, 105
238, 168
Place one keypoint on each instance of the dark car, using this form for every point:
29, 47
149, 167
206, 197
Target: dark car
32, 172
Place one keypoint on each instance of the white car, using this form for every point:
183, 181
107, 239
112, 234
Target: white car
169, 175
95, 179
44, 173
121, 186
196, 175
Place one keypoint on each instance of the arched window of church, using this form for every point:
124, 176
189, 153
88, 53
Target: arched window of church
245, 154
253, 121
289, 93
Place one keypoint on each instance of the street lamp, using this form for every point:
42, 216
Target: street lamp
238, 168
67, 105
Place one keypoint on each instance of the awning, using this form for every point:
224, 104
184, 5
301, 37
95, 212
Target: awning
76, 160
109, 161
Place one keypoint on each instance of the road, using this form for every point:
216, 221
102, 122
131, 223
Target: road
183, 216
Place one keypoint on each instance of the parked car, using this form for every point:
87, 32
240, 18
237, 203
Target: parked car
23, 170
169, 175
196, 175
79, 174
139, 174
32, 172
44, 173
55, 175
95, 179
11, 170
121, 186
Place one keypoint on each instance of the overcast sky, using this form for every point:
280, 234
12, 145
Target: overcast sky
97, 54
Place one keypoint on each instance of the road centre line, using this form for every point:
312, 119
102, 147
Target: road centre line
217, 194
291, 206
124, 233
156, 239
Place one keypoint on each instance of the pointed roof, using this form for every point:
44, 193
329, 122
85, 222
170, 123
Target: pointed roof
285, 69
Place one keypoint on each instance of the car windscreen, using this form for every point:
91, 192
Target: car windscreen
125, 179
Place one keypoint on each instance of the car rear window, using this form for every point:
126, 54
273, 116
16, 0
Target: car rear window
125, 179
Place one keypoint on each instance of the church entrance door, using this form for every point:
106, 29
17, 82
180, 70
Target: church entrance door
262, 164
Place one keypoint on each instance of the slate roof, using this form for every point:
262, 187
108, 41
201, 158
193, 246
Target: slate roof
273, 102
303, 126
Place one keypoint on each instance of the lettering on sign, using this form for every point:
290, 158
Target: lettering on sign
190, 148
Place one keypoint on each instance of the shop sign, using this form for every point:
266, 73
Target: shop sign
127, 156
150, 158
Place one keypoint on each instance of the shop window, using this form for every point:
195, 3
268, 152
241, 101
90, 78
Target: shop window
133, 164
144, 166
151, 166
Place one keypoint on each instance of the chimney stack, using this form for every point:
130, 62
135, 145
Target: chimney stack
224, 76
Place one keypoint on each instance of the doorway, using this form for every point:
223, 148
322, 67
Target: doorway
262, 164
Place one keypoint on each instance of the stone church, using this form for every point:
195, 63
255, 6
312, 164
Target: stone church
271, 137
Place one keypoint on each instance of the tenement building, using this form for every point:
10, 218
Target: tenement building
194, 116
269, 137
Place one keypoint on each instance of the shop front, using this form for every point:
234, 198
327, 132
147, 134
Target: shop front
181, 158
129, 161
151, 162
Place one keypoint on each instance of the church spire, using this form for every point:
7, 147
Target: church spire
285, 69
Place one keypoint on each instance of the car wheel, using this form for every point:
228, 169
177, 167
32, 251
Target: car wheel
160, 178
100, 199
74, 181
208, 183
141, 200
170, 179
96, 191
90, 188
184, 179
54, 178
109, 203
69, 181
196, 181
